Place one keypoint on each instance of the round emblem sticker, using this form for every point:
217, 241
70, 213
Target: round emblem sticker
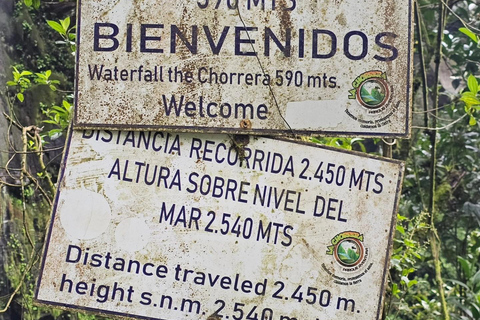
349, 252
373, 93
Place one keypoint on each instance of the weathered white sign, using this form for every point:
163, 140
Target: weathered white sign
250, 66
160, 225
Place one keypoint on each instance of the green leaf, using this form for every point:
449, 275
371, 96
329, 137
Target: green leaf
409, 243
56, 26
20, 96
315, 140
28, 3
41, 75
400, 229
395, 290
470, 100
50, 121
11, 83
58, 109
65, 23
472, 84
469, 94
406, 272
469, 33
66, 105
476, 280
55, 133
460, 283
472, 121
465, 267
412, 283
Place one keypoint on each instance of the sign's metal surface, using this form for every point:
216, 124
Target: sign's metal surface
250, 66
160, 225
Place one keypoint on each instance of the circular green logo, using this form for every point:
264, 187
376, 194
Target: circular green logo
349, 252
373, 93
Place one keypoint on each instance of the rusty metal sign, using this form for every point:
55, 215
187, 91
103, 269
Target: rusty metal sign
335, 67
157, 225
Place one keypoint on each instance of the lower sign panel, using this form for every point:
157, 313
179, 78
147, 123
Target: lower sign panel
185, 226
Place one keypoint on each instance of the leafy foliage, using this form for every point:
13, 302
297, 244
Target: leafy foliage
67, 32
413, 292
471, 99
21, 81
60, 117
341, 143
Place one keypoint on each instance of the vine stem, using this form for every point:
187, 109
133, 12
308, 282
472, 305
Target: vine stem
33, 261
22, 181
434, 240
422, 63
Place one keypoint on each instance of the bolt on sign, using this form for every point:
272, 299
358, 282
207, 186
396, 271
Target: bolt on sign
157, 225
337, 67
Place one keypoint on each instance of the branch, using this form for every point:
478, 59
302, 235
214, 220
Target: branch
22, 181
433, 164
466, 25
440, 128
32, 152
422, 63
19, 286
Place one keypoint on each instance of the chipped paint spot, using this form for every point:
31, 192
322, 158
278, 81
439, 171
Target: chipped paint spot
153, 65
214, 226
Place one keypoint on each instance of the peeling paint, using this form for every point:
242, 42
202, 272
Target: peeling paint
214, 56
159, 225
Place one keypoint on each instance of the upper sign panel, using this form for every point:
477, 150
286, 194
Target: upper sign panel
249, 66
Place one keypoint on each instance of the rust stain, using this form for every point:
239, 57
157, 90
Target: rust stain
309, 238
131, 104
214, 317
245, 124
285, 19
